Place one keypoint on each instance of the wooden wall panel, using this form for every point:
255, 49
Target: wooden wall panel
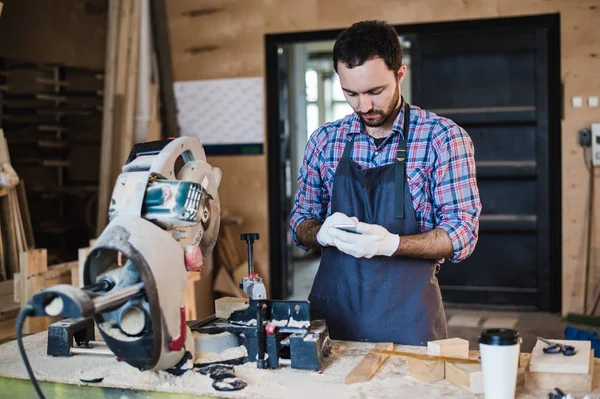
238, 31
342, 13
290, 15
57, 31
217, 39
243, 192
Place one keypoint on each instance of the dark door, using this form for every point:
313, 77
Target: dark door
279, 175
498, 84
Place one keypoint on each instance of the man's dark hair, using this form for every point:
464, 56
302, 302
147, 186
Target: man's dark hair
366, 40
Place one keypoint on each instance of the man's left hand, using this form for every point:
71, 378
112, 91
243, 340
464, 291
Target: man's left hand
372, 240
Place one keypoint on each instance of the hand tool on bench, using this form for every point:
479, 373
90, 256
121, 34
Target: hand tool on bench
555, 347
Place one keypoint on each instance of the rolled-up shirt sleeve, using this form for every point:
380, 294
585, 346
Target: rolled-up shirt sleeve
456, 202
312, 197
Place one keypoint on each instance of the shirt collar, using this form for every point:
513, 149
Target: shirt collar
356, 125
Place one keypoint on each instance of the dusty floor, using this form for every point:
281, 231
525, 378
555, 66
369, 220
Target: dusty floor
466, 323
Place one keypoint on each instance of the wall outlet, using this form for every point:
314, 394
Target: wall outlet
596, 144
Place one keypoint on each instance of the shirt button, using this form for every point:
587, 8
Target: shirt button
376, 152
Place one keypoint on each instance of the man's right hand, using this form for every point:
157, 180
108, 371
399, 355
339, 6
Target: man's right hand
323, 237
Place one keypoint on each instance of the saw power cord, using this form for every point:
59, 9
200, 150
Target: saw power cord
26, 311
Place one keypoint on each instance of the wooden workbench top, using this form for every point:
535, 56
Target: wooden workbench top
391, 381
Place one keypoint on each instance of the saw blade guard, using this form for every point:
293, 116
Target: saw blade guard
171, 184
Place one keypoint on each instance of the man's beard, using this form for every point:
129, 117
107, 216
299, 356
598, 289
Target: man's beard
383, 116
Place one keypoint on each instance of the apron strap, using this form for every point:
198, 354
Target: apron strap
400, 168
348, 148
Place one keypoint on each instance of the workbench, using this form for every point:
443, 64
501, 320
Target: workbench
59, 377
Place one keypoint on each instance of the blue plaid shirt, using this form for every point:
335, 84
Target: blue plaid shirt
440, 172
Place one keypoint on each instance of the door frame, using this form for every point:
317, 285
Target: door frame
276, 176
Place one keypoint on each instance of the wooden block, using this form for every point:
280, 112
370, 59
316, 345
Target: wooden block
467, 376
568, 382
451, 347
426, 370
369, 365
557, 363
225, 306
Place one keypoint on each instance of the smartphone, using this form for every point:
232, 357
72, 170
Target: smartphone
350, 228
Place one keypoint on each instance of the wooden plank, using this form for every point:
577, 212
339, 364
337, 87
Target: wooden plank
33, 262
568, 382
225, 306
105, 181
25, 215
369, 365
7, 227
3, 263
557, 363
160, 38
423, 356
19, 234
60, 270
7, 292
127, 131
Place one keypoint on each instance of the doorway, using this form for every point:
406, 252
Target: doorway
500, 80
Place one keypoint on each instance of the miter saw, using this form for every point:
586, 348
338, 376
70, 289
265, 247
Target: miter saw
164, 218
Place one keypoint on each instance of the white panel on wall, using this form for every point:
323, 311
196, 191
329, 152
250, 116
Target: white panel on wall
222, 111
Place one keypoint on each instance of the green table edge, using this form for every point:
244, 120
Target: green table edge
23, 389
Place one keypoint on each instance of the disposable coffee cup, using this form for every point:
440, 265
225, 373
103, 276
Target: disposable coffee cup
499, 349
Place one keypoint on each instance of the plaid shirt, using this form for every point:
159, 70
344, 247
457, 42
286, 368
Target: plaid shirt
440, 171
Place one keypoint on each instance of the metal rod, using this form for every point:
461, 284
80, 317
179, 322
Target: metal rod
250, 264
97, 343
87, 351
115, 299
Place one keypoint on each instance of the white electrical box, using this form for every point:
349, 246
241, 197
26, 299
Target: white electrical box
595, 144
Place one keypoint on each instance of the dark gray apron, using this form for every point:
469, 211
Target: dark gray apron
382, 299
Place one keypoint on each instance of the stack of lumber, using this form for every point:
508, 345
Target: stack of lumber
131, 93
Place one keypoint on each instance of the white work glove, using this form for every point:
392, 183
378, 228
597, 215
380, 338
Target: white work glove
323, 237
373, 240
